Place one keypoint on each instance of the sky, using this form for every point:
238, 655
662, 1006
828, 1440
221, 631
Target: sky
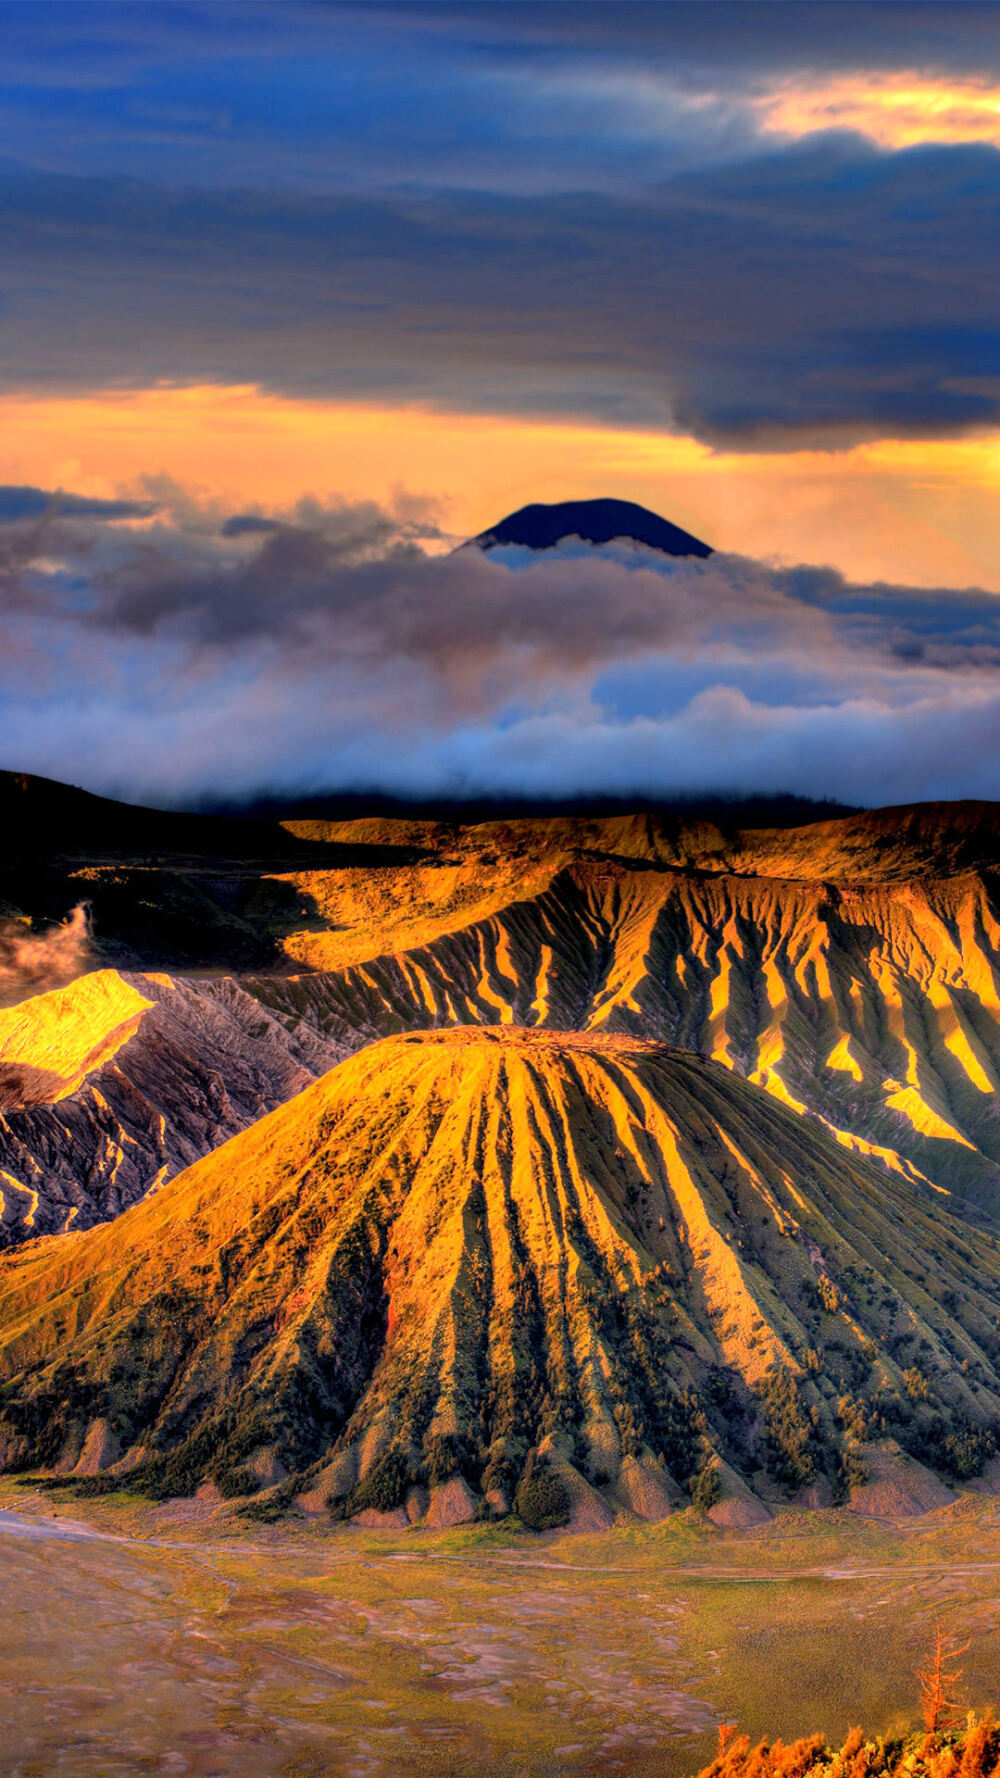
296, 297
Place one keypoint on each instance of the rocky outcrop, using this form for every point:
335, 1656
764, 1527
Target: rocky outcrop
737, 1508
451, 1503
897, 1487
113, 1085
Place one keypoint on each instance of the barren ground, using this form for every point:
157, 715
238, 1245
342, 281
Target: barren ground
172, 1639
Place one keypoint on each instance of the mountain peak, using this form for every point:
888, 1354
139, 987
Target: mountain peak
594, 521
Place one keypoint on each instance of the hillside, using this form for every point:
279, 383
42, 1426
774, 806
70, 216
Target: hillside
851, 967
459, 1248
163, 889
873, 1006
114, 1083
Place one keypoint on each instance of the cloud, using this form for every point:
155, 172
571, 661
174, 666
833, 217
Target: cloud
246, 524
30, 503
818, 295
33, 962
548, 209
328, 650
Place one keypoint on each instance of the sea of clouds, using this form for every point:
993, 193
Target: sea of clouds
159, 648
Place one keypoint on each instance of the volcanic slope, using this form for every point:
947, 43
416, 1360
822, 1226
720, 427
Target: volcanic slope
873, 1005
849, 966
114, 1083
463, 1248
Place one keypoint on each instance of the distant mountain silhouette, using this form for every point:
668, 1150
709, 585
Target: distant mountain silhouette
594, 521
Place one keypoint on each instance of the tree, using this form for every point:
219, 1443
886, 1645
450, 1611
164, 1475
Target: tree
940, 1681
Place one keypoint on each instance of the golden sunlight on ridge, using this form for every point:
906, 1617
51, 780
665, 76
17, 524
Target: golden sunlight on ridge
919, 511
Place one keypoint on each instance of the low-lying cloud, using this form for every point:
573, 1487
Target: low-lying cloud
324, 647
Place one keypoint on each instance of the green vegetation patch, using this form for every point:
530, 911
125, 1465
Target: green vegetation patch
542, 1499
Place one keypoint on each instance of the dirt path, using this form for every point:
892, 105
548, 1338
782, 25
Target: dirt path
39, 1528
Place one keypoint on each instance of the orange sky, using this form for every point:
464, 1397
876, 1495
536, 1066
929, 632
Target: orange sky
896, 110
921, 512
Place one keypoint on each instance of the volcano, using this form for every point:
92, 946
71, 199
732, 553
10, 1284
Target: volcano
540, 527
465, 1253
850, 967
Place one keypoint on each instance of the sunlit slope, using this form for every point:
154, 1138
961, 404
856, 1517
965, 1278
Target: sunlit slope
50, 1043
850, 966
876, 845
117, 1082
875, 1006
457, 1244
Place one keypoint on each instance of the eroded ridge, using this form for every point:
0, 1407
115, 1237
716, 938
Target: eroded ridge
873, 1007
112, 1085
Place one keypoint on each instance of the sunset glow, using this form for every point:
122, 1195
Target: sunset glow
268, 357
894, 110
921, 511
500, 888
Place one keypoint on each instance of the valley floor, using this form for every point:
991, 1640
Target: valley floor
173, 1639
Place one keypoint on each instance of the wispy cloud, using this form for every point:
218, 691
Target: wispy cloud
32, 503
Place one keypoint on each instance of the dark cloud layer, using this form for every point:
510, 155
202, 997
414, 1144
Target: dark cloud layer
170, 661
563, 209
750, 34
27, 503
823, 294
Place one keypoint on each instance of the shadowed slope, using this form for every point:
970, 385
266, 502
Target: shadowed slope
458, 1245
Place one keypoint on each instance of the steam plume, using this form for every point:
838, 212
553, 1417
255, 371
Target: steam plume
33, 962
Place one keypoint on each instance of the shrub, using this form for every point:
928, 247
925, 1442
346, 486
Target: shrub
828, 1294
447, 1454
706, 1487
790, 1430
235, 1484
852, 1472
272, 1505
970, 1752
542, 1500
385, 1486
916, 1384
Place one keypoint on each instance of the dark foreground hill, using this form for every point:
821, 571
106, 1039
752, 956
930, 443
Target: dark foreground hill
464, 1252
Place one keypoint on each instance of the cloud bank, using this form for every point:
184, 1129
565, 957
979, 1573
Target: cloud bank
184, 656
565, 210
819, 295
